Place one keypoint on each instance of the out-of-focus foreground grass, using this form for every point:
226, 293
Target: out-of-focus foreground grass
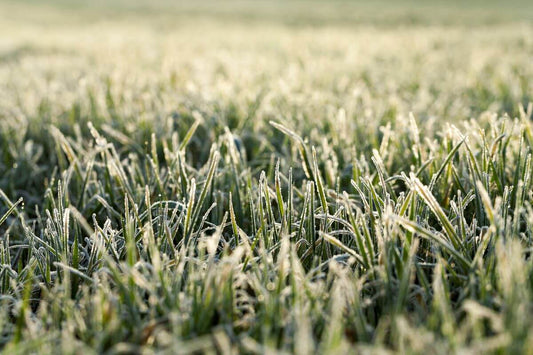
266, 176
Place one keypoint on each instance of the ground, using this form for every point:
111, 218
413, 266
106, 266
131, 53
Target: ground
264, 177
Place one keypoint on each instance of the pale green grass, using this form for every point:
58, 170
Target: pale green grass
226, 179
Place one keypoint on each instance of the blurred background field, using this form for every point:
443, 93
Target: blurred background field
292, 12
446, 59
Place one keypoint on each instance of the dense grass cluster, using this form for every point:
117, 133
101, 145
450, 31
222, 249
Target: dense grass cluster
263, 186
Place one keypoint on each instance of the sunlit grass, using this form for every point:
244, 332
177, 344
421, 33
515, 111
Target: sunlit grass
261, 185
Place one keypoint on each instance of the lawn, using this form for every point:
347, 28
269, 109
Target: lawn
266, 176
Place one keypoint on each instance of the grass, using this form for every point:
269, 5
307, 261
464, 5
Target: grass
190, 180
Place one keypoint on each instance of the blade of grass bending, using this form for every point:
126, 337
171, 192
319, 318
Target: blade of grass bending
335, 242
319, 184
73, 271
358, 237
432, 203
10, 210
301, 146
380, 168
421, 231
80, 219
445, 163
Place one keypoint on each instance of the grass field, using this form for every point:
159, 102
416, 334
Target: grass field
266, 177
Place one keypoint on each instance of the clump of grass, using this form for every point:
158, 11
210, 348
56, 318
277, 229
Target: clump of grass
256, 214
